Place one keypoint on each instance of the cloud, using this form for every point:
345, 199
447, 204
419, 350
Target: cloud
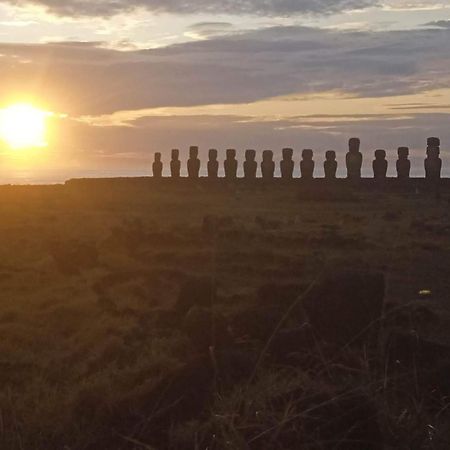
76, 8
414, 5
438, 24
83, 78
204, 30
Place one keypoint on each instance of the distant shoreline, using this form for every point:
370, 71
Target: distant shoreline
389, 183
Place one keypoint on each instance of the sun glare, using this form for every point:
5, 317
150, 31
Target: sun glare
23, 126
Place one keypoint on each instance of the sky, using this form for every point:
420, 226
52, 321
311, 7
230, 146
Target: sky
126, 78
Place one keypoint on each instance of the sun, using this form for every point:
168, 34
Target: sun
23, 126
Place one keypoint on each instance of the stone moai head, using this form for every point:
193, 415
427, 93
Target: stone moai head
267, 156
175, 154
433, 147
307, 154
380, 154
250, 155
231, 153
433, 142
354, 145
403, 152
212, 154
157, 157
433, 152
330, 155
193, 152
330, 164
288, 154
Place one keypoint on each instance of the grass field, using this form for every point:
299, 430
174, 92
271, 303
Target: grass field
99, 350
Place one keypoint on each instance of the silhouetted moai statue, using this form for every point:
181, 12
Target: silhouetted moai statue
175, 164
157, 166
380, 165
287, 164
231, 164
330, 165
193, 164
267, 165
307, 164
250, 165
354, 160
403, 163
433, 164
213, 164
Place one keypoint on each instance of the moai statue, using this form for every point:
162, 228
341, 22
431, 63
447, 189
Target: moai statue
307, 164
250, 165
403, 163
287, 164
231, 164
157, 166
380, 165
330, 165
213, 164
267, 165
193, 164
175, 164
354, 159
433, 163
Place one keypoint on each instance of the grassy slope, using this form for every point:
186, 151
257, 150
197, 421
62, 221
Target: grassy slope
79, 337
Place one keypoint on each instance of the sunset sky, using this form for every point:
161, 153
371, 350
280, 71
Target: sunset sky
125, 78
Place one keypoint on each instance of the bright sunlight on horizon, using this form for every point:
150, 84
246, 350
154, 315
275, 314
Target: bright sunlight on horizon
23, 126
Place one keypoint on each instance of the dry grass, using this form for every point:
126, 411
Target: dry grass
93, 356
